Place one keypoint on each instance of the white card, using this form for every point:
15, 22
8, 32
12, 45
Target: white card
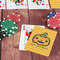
26, 31
16, 4
38, 4
2, 4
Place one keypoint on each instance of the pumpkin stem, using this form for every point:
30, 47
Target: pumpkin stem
44, 35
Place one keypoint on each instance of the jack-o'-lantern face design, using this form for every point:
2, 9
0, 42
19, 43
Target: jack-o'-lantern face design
41, 40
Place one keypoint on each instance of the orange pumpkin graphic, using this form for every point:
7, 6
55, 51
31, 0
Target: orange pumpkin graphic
41, 39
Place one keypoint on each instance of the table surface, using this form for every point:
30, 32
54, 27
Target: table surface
10, 45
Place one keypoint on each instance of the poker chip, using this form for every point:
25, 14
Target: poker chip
2, 34
54, 22
13, 16
5, 18
9, 27
51, 14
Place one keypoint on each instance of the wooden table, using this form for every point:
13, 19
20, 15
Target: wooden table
10, 45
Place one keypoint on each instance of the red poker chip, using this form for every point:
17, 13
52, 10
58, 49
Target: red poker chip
15, 17
4, 18
54, 22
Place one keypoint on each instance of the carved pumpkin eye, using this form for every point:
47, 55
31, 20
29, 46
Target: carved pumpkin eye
36, 37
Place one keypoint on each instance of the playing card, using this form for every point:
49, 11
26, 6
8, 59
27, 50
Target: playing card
26, 31
2, 4
41, 41
16, 4
38, 4
55, 3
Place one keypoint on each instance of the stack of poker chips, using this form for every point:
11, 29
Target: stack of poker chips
8, 26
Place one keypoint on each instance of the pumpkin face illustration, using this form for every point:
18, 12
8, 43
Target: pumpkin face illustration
41, 40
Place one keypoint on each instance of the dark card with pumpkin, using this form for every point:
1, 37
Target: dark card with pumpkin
41, 41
